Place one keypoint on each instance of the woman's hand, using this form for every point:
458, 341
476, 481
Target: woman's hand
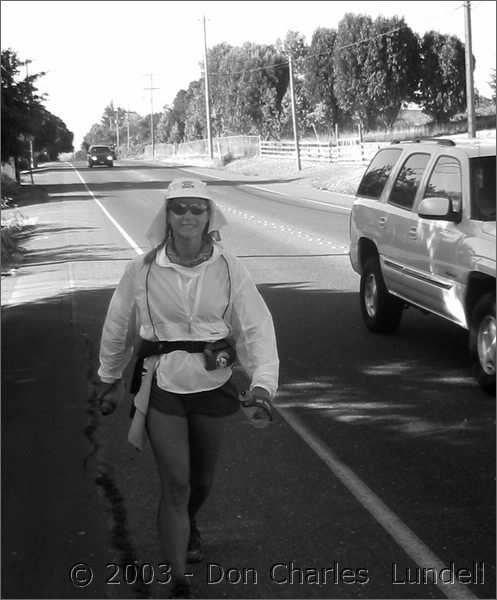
261, 413
109, 396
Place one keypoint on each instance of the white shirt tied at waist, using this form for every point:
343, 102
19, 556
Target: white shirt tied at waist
211, 301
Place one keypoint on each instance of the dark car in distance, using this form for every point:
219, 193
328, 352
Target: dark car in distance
100, 155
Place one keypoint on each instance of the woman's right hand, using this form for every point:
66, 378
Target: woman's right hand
109, 396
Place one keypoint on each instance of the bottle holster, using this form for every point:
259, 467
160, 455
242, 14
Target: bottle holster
219, 355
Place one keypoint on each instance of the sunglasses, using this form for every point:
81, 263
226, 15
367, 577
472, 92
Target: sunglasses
178, 208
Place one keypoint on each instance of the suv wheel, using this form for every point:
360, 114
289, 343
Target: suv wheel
381, 311
482, 342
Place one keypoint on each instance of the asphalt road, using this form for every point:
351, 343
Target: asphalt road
379, 472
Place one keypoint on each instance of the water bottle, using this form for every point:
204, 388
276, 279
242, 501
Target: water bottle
251, 405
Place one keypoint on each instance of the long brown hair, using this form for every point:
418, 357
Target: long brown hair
151, 254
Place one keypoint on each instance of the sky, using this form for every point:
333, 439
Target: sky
95, 52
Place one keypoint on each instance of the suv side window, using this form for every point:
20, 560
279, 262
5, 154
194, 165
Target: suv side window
445, 181
407, 182
376, 176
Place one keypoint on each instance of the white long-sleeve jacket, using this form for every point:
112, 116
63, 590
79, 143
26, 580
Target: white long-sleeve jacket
211, 301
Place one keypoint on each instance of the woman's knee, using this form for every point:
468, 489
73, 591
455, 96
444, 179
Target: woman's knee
176, 493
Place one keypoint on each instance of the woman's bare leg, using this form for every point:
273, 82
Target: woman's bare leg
206, 436
168, 436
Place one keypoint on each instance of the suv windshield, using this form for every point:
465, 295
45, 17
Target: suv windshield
483, 188
100, 149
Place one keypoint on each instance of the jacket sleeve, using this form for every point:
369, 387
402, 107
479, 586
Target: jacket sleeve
116, 344
254, 335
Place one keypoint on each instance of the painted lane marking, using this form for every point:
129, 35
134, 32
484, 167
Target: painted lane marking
260, 222
125, 235
259, 187
347, 209
403, 536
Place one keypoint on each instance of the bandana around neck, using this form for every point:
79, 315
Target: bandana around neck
204, 254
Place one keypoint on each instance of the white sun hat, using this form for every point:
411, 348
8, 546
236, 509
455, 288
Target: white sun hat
186, 188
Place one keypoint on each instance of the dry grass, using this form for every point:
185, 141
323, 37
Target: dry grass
14, 225
335, 177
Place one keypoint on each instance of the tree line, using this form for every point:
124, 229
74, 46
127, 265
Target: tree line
25, 118
360, 73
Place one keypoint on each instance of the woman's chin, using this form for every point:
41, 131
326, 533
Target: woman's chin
189, 233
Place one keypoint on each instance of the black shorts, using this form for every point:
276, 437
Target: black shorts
220, 402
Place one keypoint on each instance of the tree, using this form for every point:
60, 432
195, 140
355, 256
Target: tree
294, 45
24, 117
241, 80
392, 68
195, 115
350, 55
265, 69
319, 79
165, 124
21, 106
377, 67
491, 83
221, 87
178, 117
442, 87
99, 134
52, 136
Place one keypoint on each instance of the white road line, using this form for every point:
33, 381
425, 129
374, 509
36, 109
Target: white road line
403, 536
312, 201
259, 187
125, 235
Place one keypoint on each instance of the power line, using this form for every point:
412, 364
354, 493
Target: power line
371, 38
316, 55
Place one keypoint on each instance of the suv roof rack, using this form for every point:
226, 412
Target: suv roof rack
441, 141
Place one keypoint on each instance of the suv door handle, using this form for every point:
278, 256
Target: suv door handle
382, 221
413, 233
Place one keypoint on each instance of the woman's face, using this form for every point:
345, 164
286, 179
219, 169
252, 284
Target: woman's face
188, 217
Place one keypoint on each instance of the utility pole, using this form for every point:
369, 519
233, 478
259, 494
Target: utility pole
470, 94
207, 106
127, 128
294, 114
116, 112
151, 88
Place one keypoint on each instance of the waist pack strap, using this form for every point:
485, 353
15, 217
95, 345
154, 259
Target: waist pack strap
150, 348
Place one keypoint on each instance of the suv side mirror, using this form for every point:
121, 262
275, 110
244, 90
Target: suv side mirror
437, 209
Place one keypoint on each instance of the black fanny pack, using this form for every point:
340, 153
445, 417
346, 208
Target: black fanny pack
218, 355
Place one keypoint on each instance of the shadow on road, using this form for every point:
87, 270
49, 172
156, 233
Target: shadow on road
373, 398
416, 383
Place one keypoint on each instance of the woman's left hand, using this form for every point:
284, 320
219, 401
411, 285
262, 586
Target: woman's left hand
109, 396
260, 393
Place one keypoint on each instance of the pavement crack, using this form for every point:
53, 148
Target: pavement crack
103, 476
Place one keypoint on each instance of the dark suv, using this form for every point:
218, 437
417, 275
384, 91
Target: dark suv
100, 155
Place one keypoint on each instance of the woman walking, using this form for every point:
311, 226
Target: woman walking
197, 311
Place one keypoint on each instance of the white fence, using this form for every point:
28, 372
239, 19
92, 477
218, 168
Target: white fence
347, 150
237, 146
